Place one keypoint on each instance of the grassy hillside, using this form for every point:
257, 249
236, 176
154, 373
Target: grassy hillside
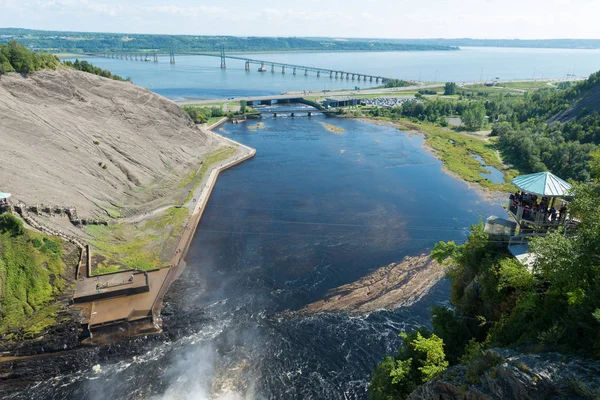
32, 276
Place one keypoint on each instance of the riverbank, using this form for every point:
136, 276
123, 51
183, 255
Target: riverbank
458, 151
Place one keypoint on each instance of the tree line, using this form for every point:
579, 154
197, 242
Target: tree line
99, 42
529, 136
14, 57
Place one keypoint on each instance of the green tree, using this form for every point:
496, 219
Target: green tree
449, 88
473, 117
421, 357
216, 112
243, 106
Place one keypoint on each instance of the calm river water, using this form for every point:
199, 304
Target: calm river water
313, 210
201, 77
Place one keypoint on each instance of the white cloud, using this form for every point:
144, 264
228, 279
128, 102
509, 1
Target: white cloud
339, 18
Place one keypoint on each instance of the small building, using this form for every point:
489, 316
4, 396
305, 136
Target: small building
344, 101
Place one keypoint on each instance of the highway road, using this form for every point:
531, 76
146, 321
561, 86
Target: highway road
384, 92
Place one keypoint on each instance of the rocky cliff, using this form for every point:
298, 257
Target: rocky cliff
73, 138
505, 374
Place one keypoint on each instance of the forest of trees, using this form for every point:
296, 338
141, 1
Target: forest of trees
86, 42
497, 302
529, 137
14, 57
87, 67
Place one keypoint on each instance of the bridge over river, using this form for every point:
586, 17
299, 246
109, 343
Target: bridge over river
262, 65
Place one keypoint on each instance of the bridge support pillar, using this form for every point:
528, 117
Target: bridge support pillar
292, 115
336, 75
156, 56
272, 68
305, 72
294, 71
247, 65
331, 74
371, 79
377, 80
347, 76
283, 70
353, 76
309, 114
318, 74
274, 115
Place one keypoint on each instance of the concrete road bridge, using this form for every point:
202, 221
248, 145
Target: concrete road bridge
263, 65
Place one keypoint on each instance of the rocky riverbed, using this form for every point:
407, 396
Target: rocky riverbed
389, 287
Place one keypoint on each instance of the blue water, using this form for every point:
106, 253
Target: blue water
201, 77
494, 175
312, 211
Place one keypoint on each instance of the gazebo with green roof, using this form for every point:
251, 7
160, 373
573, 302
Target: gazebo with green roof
542, 184
535, 209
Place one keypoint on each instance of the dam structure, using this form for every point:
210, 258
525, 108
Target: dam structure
260, 65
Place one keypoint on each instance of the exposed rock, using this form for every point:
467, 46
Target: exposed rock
70, 138
505, 374
389, 287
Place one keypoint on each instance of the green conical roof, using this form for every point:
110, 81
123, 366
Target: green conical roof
542, 184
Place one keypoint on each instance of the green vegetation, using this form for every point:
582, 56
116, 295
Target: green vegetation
548, 129
215, 157
15, 57
455, 150
85, 42
449, 88
420, 358
203, 115
393, 83
473, 117
142, 246
87, 67
531, 141
498, 302
31, 276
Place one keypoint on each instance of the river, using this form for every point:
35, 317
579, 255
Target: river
313, 210
201, 77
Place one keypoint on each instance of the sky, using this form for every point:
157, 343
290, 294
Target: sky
494, 19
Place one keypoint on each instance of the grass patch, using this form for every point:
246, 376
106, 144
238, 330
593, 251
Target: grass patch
213, 158
40, 321
123, 245
31, 274
454, 149
213, 120
144, 246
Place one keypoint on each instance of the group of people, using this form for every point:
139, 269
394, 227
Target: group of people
532, 207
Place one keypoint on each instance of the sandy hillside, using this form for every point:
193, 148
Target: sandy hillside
72, 138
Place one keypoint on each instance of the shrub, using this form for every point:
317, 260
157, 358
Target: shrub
11, 225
